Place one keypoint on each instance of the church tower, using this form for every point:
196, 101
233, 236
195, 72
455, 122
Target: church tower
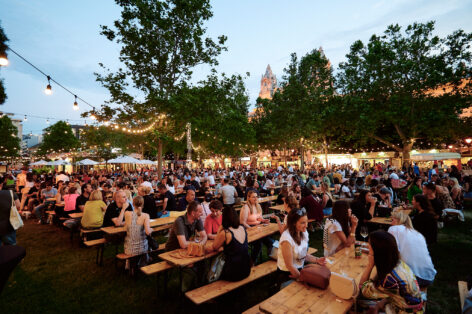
268, 84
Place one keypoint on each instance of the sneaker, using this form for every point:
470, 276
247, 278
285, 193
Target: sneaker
39, 222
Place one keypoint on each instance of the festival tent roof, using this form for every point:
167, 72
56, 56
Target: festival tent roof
58, 162
434, 156
124, 160
39, 163
146, 162
87, 162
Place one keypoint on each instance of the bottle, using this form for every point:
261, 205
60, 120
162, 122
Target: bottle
357, 249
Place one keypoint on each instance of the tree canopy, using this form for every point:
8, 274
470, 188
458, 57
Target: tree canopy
3, 52
10, 144
58, 137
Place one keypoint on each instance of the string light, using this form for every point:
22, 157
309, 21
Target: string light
48, 90
47, 121
76, 105
25, 119
3, 59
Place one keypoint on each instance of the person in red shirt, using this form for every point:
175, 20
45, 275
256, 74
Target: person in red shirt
214, 220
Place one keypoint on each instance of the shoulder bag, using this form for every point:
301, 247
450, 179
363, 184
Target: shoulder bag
343, 287
15, 218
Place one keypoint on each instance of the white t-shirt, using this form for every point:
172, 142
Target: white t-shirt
147, 183
299, 252
413, 251
332, 226
228, 191
211, 179
268, 184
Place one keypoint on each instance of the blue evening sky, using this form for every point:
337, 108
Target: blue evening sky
62, 39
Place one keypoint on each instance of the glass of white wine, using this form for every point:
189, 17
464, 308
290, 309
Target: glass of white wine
364, 232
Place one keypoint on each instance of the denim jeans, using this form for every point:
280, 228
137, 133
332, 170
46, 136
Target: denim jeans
8, 239
257, 247
38, 211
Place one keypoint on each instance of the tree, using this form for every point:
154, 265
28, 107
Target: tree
10, 144
407, 86
301, 111
58, 137
161, 42
3, 53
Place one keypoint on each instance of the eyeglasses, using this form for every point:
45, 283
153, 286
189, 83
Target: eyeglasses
301, 211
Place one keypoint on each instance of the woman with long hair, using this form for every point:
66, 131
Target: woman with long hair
94, 210
395, 283
293, 250
232, 236
414, 188
363, 207
339, 229
327, 199
456, 192
290, 203
425, 220
413, 248
282, 194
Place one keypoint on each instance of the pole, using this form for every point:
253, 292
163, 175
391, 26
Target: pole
159, 159
189, 145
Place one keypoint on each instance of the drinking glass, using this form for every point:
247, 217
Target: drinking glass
346, 266
364, 232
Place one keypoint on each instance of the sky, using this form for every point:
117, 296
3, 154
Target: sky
62, 39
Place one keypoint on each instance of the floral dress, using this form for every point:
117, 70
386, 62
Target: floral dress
135, 241
399, 287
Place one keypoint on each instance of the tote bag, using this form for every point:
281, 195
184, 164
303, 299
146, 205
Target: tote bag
15, 218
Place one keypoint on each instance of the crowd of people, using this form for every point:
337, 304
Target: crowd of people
341, 200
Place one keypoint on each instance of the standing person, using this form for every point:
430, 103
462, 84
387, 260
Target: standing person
339, 229
413, 248
293, 250
232, 236
214, 220
395, 283
137, 225
425, 220
21, 180
94, 211
228, 193
7, 233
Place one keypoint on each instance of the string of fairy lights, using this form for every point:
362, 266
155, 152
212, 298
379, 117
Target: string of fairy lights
160, 120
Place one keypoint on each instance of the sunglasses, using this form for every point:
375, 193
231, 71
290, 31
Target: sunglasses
301, 211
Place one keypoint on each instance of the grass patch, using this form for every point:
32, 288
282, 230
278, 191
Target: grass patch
57, 276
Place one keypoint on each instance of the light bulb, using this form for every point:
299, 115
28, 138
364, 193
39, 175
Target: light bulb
47, 121
25, 119
468, 140
93, 117
3, 60
48, 90
76, 105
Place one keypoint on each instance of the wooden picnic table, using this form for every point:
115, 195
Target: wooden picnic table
385, 220
264, 199
178, 257
154, 223
76, 215
298, 297
278, 207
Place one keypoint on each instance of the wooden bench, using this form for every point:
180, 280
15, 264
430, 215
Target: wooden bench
85, 232
124, 257
253, 310
462, 292
220, 287
99, 244
156, 268
51, 215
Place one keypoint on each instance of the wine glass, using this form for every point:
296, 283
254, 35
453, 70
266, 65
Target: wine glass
364, 232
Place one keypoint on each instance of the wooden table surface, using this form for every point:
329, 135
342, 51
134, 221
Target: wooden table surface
300, 298
76, 215
264, 199
278, 207
153, 223
253, 234
385, 220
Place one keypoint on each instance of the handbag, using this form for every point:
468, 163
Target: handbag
152, 243
216, 268
316, 275
275, 250
15, 218
343, 287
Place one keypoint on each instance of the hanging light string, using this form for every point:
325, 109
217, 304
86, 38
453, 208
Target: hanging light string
26, 116
53, 80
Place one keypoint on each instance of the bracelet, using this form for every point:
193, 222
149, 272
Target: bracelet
353, 234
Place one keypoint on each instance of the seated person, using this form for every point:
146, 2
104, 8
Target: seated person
232, 236
168, 199
290, 203
313, 207
149, 207
340, 229
425, 221
116, 210
412, 247
293, 250
48, 197
185, 227
363, 208
186, 200
214, 220
94, 211
137, 225
395, 283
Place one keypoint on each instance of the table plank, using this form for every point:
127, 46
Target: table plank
76, 215
153, 223
278, 207
385, 220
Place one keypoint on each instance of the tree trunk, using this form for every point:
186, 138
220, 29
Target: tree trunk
159, 159
302, 159
406, 153
325, 146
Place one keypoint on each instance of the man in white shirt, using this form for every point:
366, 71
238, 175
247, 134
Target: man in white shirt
147, 183
211, 179
393, 175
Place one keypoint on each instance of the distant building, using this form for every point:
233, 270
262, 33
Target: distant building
76, 130
16, 122
268, 84
32, 139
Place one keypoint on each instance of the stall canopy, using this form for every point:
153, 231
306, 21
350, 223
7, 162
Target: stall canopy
146, 162
124, 160
58, 162
86, 162
39, 163
435, 156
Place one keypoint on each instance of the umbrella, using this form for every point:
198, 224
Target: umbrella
435, 156
39, 163
146, 162
86, 162
124, 160
58, 162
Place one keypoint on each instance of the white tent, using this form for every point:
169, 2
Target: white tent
86, 162
146, 162
58, 162
435, 156
39, 163
124, 160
